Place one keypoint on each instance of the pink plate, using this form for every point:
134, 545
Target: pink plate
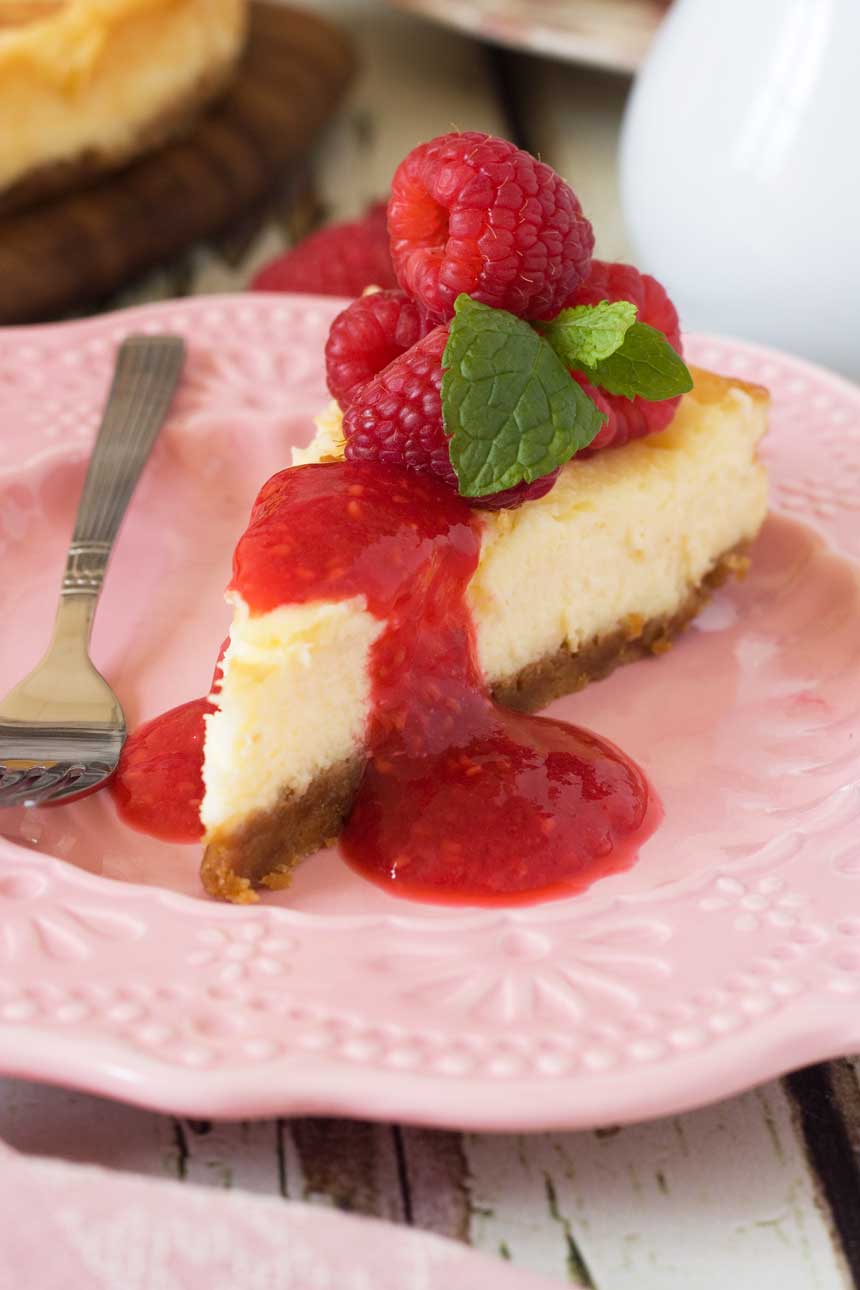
729, 953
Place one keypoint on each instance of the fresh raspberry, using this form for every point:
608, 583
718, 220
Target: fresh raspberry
340, 260
396, 418
510, 498
367, 336
470, 213
628, 418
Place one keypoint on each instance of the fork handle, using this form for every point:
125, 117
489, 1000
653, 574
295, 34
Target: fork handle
144, 381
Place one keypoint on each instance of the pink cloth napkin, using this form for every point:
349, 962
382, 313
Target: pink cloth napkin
75, 1227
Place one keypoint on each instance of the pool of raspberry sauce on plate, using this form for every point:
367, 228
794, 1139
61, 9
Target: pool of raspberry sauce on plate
462, 800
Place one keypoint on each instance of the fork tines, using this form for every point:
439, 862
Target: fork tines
27, 785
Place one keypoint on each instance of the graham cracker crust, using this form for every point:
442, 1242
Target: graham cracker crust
265, 850
269, 844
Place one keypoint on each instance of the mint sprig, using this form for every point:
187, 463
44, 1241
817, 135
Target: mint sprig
644, 364
511, 408
509, 404
587, 334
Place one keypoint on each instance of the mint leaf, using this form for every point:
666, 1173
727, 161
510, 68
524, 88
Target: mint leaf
645, 364
586, 334
511, 408
614, 351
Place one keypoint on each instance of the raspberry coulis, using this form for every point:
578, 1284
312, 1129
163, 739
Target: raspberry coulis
158, 786
462, 799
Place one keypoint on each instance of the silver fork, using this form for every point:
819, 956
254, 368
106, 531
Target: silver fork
62, 728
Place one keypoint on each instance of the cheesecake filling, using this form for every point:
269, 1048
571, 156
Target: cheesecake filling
623, 535
296, 697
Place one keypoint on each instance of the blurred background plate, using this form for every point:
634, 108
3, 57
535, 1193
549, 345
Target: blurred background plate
605, 33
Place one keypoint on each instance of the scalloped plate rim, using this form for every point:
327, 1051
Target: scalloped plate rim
321, 1090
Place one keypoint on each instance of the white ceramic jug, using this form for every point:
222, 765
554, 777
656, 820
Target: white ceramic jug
740, 171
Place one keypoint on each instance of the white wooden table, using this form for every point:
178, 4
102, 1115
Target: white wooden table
764, 1188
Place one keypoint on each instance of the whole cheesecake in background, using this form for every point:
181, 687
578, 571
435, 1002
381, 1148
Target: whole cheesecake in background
86, 85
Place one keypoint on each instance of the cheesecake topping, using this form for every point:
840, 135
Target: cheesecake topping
527, 365
461, 799
476, 215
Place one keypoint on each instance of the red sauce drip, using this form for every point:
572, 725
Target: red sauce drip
462, 799
158, 786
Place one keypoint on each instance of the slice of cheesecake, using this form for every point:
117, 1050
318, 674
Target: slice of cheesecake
604, 569
85, 86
